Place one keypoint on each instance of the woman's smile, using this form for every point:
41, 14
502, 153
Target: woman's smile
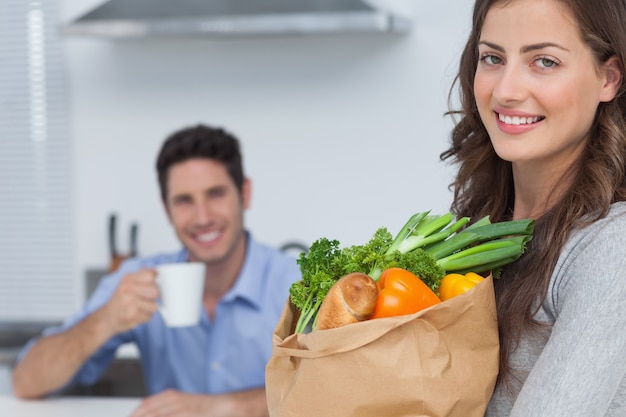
536, 82
511, 123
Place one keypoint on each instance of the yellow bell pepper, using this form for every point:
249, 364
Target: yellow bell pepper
457, 284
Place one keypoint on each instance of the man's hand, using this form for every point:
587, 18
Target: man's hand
133, 302
173, 403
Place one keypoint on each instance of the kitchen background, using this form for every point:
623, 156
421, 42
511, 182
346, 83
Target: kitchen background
341, 134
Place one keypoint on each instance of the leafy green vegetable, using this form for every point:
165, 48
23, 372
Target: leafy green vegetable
320, 269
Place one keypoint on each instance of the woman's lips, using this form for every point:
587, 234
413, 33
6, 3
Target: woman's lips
517, 123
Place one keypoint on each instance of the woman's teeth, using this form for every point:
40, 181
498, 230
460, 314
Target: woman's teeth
516, 120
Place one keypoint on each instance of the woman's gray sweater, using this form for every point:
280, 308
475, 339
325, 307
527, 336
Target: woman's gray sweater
577, 367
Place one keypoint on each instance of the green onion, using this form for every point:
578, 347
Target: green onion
484, 253
433, 229
475, 234
494, 266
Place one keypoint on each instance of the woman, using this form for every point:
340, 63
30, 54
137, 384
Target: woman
542, 134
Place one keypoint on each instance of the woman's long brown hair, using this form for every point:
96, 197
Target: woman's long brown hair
484, 182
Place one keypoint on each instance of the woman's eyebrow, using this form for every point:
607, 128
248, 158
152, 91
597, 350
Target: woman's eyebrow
492, 45
542, 45
527, 48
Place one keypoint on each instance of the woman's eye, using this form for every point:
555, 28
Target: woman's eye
491, 59
544, 62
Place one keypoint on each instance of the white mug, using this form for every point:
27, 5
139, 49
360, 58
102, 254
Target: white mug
181, 286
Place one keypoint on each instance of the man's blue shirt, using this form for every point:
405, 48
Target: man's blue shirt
226, 354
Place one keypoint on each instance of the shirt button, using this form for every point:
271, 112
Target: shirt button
215, 366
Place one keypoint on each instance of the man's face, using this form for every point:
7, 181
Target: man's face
206, 209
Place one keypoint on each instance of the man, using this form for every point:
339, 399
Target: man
216, 368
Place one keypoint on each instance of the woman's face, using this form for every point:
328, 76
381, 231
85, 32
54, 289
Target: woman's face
537, 86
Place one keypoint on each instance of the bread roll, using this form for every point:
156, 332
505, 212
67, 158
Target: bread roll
352, 298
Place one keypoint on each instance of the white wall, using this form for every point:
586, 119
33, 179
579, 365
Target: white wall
341, 134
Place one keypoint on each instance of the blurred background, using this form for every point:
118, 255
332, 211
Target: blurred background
341, 131
339, 106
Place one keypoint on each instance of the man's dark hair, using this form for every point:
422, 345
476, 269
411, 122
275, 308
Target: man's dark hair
200, 141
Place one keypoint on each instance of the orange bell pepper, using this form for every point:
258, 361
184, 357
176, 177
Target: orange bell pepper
457, 284
401, 292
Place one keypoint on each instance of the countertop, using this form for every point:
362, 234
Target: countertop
68, 407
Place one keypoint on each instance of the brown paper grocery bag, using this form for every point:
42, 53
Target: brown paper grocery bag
442, 361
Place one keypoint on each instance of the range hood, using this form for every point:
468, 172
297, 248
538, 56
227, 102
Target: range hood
141, 18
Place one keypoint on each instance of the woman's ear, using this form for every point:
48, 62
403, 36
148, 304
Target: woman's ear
612, 72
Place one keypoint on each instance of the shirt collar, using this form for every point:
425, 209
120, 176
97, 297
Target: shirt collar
250, 280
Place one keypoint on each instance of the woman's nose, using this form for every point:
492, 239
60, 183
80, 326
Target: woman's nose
510, 85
